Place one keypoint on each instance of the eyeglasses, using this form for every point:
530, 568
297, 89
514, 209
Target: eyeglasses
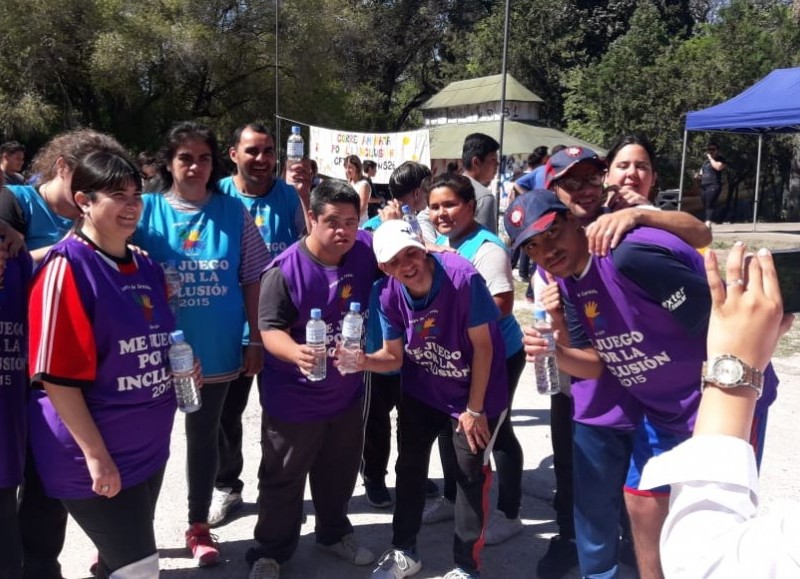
575, 183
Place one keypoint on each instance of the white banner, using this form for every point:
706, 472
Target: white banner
329, 149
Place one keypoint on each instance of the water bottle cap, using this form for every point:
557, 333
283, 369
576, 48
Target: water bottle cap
406, 209
316, 314
355, 307
295, 130
539, 313
177, 336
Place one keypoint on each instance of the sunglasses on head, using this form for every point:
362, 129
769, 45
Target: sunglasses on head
576, 183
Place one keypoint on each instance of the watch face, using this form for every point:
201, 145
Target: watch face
727, 371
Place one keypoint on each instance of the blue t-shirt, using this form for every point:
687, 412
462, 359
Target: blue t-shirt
533, 180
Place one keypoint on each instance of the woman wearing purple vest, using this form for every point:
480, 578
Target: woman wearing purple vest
100, 422
440, 325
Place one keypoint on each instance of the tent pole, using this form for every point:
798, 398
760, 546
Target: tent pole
501, 170
683, 168
758, 178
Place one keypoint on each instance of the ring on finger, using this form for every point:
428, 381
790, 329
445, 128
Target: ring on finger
608, 233
735, 282
105, 488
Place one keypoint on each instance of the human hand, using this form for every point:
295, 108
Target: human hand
747, 318
605, 232
550, 299
253, 359
197, 373
106, 481
303, 358
12, 240
533, 344
392, 210
299, 175
622, 198
360, 359
476, 429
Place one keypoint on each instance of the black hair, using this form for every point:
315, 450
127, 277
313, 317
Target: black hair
459, 184
477, 145
333, 191
105, 171
11, 147
556, 149
631, 139
406, 178
537, 157
369, 164
256, 127
179, 134
712, 144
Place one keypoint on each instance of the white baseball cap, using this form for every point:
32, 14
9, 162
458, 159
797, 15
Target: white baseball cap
391, 238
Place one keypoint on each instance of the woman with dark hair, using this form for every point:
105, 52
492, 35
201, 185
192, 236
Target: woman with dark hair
354, 172
451, 201
41, 216
99, 327
629, 184
213, 242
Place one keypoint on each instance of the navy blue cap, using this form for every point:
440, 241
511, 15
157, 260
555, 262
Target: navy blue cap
531, 214
566, 159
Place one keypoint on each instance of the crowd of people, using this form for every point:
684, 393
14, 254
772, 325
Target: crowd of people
87, 315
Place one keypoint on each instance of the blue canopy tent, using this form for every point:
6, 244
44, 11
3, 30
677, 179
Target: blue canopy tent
772, 105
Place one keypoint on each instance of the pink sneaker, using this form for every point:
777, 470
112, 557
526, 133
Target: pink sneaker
202, 544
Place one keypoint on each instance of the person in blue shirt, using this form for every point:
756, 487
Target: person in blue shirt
279, 212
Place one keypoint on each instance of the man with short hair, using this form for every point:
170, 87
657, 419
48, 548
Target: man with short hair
278, 211
644, 310
311, 428
479, 157
12, 158
534, 177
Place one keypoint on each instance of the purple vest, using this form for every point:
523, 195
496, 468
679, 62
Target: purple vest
438, 353
286, 394
13, 357
131, 400
643, 347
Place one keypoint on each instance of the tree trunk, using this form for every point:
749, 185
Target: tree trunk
792, 201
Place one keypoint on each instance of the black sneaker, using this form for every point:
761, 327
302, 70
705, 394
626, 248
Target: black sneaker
377, 494
431, 489
561, 556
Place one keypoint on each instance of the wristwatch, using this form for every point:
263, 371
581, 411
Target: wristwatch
728, 371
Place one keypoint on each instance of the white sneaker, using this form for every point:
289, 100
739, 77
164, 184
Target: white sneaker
349, 550
224, 502
265, 568
501, 528
459, 573
396, 564
439, 510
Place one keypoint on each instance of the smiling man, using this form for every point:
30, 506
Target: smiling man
644, 308
277, 210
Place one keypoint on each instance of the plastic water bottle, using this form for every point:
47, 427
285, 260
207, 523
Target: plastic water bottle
545, 367
181, 361
316, 331
294, 147
410, 218
173, 286
352, 327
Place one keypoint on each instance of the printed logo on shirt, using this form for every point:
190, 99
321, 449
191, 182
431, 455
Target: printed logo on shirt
596, 320
144, 302
675, 301
427, 326
263, 226
190, 240
344, 290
